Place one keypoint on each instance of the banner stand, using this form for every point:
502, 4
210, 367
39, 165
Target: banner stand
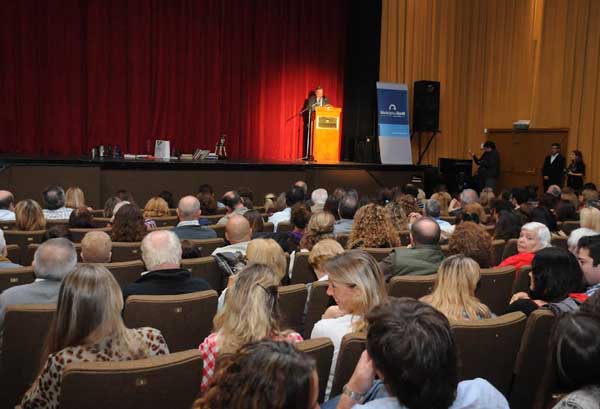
392, 119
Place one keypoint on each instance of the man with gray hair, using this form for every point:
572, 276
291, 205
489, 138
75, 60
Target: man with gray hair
433, 209
318, 198
52, 261
54, 204
576, 235
161, 252
5, 262
188, 211
467, 196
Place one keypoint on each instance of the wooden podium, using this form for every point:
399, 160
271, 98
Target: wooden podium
326, 134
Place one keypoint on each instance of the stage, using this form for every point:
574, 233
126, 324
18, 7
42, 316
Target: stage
27, 176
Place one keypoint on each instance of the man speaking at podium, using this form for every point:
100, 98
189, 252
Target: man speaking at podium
315, 99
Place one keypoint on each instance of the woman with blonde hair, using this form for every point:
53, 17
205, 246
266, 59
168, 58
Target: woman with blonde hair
269, 253
486, 196
74, 198
320, 226
357, 285
373, 227
250, 314
155, 207
29, 216
88, 326
454, 290
320, 253
590, 217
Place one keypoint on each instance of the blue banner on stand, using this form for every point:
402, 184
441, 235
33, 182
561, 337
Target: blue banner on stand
392, 118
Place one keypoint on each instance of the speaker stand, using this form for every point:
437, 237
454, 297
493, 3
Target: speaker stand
422, 153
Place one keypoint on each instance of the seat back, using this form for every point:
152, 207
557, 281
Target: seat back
122, 251
206, 268
497, 251
318, 301
166, 221
25, 328
78, 234
559, 241
126, 272
13, 252
488, 348
268, 227
140, 384
212, 218
411, 286
321, 350
284, 227
529, 388
302, 271
208, 245
56, 222
568, 226
7, 224
101, 221
522, 280
449, 219
446, 250
219, 229
292, 299
23, 239
404, 237
184, 320
495, 288
10, 277
351, 348
510, 249
377, 253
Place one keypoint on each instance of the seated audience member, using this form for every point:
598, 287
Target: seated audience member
576, 351
167, 197
155, 207
356, 284
290, 241
588, 195
534, 236
208, 207
189, 211
161, 252
53, 199
269, 203
588, 254
569, 195
408, 203
238, 383
476, 208
320, 253
467, 196
383, 196
125, 196
128, 225
96, 247
520, 199
576, 235
373, 227
190, 250
7, 206
81, 218
246, 192
318, 198
472, 240
565, 211
424, 255
269, 253
29, 216
247, 202
508, 225
52, 261
109, 206
554, 190
555, 274
233, 204
398, 215
238, 234
443, 198
300, 184
257, 223
280, 202
88, 327
590, 217
250, 314
320, 226
346, 210
74, 198
332, 206
55, 232
410, 345
486, 196
454, 290
4, 261
432, 209
542, 215
206, 189
293, 196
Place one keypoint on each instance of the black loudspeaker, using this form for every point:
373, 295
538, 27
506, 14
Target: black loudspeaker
456, 174
426, 106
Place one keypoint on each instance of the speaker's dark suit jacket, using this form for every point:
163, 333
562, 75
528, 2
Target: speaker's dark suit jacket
554, 170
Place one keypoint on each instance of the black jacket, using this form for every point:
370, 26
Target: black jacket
489, 164
165, 282
554, 170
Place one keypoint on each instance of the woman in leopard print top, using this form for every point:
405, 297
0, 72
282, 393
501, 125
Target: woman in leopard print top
88, 326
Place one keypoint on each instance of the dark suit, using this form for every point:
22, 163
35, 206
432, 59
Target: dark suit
192, 232
166, 282
489, 169
309, 105
554, 170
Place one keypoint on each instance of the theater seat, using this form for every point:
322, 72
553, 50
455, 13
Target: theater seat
488, 348
25, 328
292, 299
411, 286
23, 239
522, 280
284, 227
13, 252
568, 226
208, 245
510, 249
495, 288
317, 304
321, 350
378, 253
559, 241
404, 237
78, 234
351, 348
171, 381
184, 320
10, 277
206, 268
302, 272
166, 221
122, 251
219, 229
497, 251
126, 272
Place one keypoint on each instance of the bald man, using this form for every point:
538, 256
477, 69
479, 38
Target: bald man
424, 255
188, 211
238, 233
96, 247
7, 205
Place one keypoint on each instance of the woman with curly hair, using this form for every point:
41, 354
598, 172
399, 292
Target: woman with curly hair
373, 227
409, 203
287, 379
128, 225
320, 226
473, 241
398, 215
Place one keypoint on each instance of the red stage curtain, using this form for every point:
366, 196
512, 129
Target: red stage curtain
75, 74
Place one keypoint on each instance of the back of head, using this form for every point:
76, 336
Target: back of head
319, 196
589, 195
301, 185
472, 240
320, 226
96, 247
109, 206
508, 226
156, 207
53, 197
237, 229
520, 195
556, 273
74, 198
29, 216
323, 251
577, 235
268, 252
590, 217
188, 208
81, 218
469, 196
125, 196
168, 198
425, 231
208, 203
257, 223
432, 208
7, 200
489, 144
565, 211
577, 350
411, 344
348, 206
300, 216
285, 379
293, 196
54, 259
231, 199
161, 249
373, 227
128, 223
